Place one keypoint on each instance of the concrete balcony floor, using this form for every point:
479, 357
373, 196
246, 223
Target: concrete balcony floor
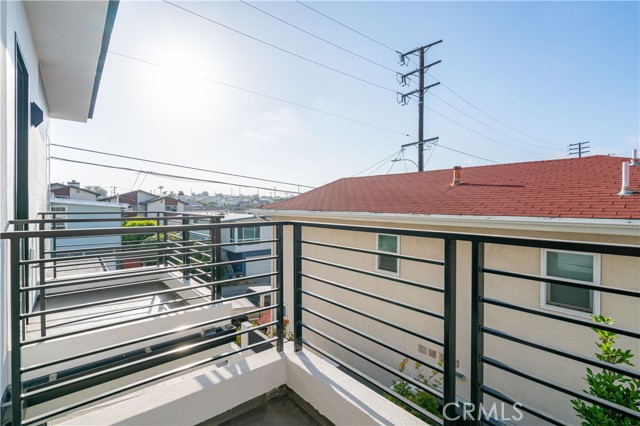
104, 313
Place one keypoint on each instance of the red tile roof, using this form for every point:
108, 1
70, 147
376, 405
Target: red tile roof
570, 188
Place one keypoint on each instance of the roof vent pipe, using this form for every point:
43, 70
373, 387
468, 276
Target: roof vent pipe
456, 176
625, 190
634, 158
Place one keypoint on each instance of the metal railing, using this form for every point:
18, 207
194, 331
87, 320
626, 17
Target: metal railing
363, 345
72, 298
344, 307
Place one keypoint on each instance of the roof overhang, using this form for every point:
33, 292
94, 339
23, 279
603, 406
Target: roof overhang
625, 227
71, 40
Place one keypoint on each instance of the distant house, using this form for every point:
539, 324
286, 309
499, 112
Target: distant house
578, 199
72, 191
162, 204
64, 208
133, 199
143, 201
246, 249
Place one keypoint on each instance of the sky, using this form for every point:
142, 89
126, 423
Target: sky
520, 81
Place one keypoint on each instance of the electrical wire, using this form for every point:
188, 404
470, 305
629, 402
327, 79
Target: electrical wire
481, 134
393, 162
289, 52
180, 166
467, 154
492, 117
348, 27
264, 95
442, 84
385, 159
318, 37
484, 124
170, 176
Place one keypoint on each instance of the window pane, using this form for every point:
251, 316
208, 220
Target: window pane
388, 243
570, 297
387, 263
572, 266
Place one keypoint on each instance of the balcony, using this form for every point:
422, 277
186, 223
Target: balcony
147, 324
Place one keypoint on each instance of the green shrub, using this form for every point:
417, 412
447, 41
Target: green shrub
135, 222
417, 396
613, 387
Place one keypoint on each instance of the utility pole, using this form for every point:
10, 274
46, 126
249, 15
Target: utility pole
403, 99
579, 148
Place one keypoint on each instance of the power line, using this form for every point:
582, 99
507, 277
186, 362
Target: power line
264, 95
170, 176
304, 58
443, 84
275, 98
375, 164
348, 27
318, 37
180, 166
486, 125
467, 154
492, 117
481, 134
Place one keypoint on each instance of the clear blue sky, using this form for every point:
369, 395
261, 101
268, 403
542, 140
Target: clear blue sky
559, 72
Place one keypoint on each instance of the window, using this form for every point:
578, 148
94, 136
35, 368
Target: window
389, 244
171, 208
583, 267
59, 225
251, 233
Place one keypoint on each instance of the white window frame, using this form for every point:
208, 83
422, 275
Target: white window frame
170, 208
385, 271
544, 285
234, 232
59, 226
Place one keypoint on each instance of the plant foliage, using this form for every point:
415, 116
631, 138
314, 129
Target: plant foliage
614, 387
417, 396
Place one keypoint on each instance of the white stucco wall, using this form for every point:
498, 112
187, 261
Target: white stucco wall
616, 271
14, 26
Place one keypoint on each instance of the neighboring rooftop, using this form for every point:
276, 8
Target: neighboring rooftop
585, 187
164, 197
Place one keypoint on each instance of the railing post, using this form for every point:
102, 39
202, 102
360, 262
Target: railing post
186, 258
297, 285
16, 380
165, 245
212, 253
54, 249
477, 336
449, 383
280, 286
42, 271
217, 270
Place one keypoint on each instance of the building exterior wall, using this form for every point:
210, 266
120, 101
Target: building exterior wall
14, 28
80, 243
616, 271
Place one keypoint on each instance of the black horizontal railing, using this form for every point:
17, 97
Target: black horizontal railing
335, 291
73, 297
329, 302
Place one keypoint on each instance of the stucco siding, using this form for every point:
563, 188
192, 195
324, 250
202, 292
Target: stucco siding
616, 271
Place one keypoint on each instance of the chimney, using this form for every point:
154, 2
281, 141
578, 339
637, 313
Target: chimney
634, 158
456, 176
625, 190
74, 184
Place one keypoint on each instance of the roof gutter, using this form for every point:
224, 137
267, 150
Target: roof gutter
112, 9
626, 227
